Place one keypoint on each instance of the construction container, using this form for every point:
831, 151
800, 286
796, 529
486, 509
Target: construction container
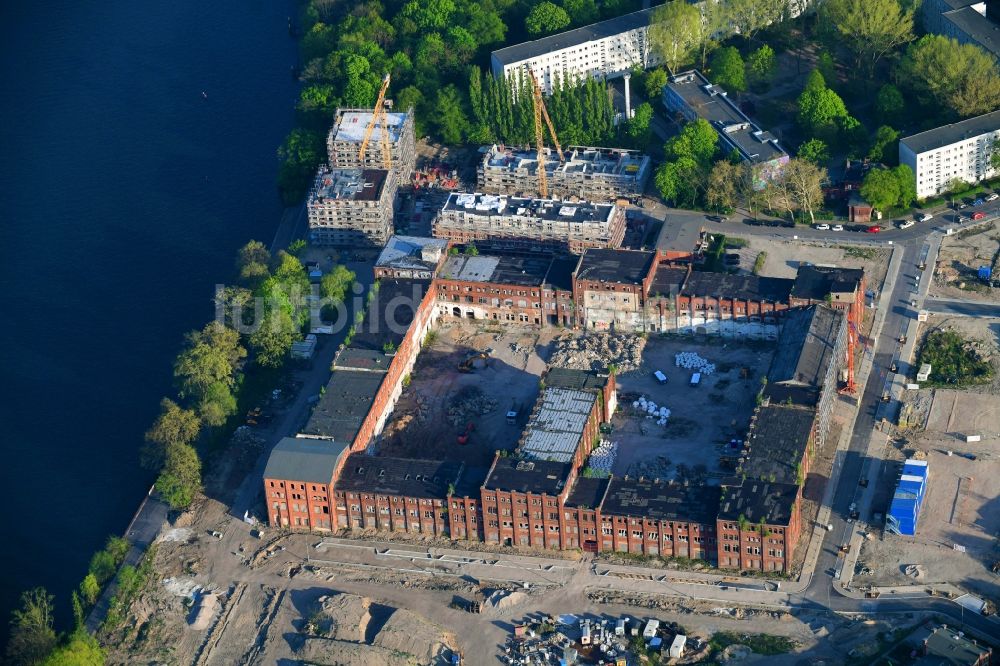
924, 373
906, 501
650, 630
677, 647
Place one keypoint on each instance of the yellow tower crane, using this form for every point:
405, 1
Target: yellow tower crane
542, 112
378, 114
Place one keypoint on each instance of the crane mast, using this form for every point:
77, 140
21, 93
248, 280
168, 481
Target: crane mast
542, 113
378, 114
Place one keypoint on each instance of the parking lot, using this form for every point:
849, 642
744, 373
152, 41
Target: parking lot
694, 442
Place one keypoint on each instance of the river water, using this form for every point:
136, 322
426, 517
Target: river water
137, 153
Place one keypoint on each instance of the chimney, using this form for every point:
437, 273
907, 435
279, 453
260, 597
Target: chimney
628, 97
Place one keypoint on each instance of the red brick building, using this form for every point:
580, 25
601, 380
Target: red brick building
611, 287
522, 502
840, 288
298, 482
395, 494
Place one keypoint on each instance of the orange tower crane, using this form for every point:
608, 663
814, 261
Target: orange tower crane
378, 114
540, 113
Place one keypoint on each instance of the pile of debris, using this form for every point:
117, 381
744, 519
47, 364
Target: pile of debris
467, 404
597, 351
693, 361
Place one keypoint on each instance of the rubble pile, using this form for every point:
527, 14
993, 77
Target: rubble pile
652, 410
599, 350
602, 459
693, 361
467, 404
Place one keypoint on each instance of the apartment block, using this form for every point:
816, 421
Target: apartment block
344, 140
590, 174
691, 96
513, 223
603, 50
952, 154
352, 207
531, 289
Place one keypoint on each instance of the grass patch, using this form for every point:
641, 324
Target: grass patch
733, 242
764, 644
859, 252
953, 359
758, 264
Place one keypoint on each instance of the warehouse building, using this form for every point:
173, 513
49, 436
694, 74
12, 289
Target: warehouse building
590, 174
352, 207
603, 50
961, 151
691, 96
298, 482
513, 223
344, 141
611, 287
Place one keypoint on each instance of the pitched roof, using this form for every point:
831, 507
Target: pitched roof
809, 337
304, 459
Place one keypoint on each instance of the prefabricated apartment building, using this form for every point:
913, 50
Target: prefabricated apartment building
332, 477
591, 174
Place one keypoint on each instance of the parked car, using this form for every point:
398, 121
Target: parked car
906, 224
978, 202
924, 217
822, 227
963, 206
993, 197
873, 229
978, 215
837, 227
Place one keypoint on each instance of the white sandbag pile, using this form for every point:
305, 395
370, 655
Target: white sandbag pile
602, 459
693, 361
652, 410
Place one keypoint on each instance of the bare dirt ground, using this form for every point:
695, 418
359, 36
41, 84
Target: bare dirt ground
785, 257
703, 419
440, 401
961, 508
959, 260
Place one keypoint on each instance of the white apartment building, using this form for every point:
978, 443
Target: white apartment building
352, 207
601, 50
956, 152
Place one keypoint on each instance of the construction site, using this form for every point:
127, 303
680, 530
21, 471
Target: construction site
352, 207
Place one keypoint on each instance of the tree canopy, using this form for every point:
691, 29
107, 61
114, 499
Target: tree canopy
961, 78
689, 159
728, 69
32, 637
869, 28
675, 33
545, 18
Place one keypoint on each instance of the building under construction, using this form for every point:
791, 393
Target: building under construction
515, 223
591, 174
348, 134
352, 207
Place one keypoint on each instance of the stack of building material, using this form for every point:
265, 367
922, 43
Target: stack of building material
652, 410
602, 459
693, 361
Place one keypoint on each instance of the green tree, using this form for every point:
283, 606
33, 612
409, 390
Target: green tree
174, 425
885, 145
90, 589
907, 185
335, 284
698, 140
252, 261
118, 547
675, 33
728, 69
485, 23
428, 14
80, 649
815, 151
638, 127
272, 341
450, 116
880, 188
581, 12
761, 63
209, 357
802, 181
180, 479
32, 637
102, 566
675, 181
723, 182
819, 107
889, 103
546, 18
869, 28
656, 80
961, 78
301, 154
748, 17
216, 405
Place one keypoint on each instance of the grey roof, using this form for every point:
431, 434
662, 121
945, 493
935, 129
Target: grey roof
344, 405
489, 205
755, 499
668, 280
979, 29
583, 380
816, 282
659, 500
587, 493
409, 251
389, 313
806, 345
556, 426
528, 476
679, 235
777, 440
619, 266
406, 477
948, 134
564, 40
711, 103
944, 647
304, 459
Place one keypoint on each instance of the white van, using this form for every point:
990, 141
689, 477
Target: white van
924, 217
660, 377
695, 379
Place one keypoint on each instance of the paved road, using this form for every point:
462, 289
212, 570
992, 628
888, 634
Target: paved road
962, 308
